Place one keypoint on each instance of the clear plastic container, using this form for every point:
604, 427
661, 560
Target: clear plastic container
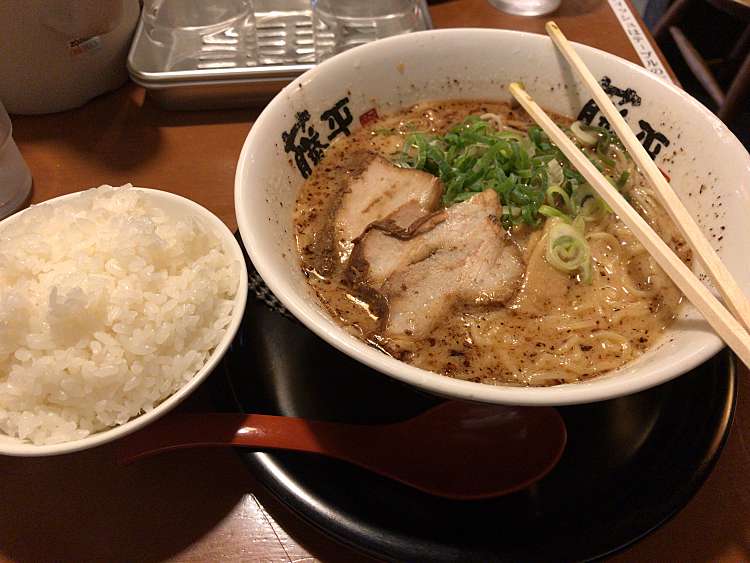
339, 25
200, 34
15, 177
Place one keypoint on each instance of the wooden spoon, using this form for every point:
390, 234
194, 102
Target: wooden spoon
457, 449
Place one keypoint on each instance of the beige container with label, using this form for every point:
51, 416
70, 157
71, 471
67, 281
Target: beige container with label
58, 54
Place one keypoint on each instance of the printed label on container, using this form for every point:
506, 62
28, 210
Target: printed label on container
638, 39
82, 45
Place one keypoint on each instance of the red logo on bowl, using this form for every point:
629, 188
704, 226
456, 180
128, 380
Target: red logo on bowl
368, 117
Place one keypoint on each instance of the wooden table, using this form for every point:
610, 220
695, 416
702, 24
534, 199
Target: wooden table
204, 505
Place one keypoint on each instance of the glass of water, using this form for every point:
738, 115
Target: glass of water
202, 34
339, 25
15, 178
526, 7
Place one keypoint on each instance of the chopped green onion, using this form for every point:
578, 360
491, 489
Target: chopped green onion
473, 156
555, 190
549, 211
580, 224
587, 204
622, 180
532, 178
602, 147
568, 251
586, 138
555, 172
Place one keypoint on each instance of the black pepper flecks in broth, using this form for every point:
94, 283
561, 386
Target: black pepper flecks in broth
455, 237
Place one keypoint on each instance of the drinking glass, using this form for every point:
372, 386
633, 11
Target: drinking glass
342, 24
526, 7
15, 178
202, 34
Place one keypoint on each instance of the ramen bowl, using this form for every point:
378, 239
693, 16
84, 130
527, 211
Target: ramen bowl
707, 165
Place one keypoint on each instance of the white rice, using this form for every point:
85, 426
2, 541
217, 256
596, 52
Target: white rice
107, 306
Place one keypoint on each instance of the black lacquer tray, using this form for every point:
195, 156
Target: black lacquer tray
630, 463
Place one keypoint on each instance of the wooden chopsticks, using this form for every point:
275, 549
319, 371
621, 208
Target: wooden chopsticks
733, 296
721, 320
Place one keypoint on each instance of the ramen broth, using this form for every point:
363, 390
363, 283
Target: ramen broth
530, 323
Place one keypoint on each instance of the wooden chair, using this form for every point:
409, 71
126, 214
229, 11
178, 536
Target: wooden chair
728, 102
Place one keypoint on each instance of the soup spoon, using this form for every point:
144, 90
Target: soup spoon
457, 449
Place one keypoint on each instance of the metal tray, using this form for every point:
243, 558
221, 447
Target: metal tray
285, 50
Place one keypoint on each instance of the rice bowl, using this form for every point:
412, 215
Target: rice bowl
114, 304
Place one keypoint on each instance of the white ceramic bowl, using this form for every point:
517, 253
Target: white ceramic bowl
179, 206
708, 166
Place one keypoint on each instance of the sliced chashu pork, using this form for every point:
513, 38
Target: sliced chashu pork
463, 256
379, 191
387, 244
